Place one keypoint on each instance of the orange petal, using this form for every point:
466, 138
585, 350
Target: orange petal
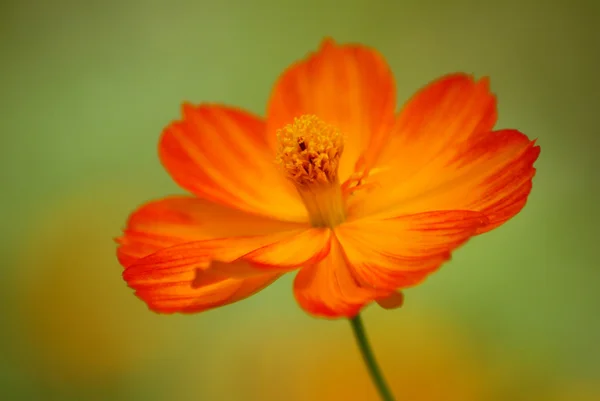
437, 118
281, 251
200, 275
330, 288
169, 249
221, 154
180, 219
489, 173
189, 290
396, 253
348, 86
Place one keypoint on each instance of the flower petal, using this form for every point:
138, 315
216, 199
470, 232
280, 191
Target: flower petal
192, 277
444, 156
489, 173
189, 290
348, 86
329, 288
437, 118
221, 154
180, 219
169, 251
390, 254
280, 251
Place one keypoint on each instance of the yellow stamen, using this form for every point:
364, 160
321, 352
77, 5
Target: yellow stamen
309, 153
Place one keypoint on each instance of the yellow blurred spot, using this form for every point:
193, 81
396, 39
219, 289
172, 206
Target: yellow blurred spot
423, 359
78, 320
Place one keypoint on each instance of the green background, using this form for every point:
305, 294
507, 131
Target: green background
86, 88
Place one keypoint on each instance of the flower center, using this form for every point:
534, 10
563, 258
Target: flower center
309, 153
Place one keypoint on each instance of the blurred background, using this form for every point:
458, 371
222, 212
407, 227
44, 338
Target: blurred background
86, 88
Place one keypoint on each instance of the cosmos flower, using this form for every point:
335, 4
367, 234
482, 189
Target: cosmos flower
360, 200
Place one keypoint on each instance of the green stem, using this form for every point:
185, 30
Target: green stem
369, 358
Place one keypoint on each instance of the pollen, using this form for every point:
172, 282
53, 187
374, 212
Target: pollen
310, 151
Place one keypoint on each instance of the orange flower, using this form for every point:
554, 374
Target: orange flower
333, 183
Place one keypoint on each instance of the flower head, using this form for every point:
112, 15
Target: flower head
360, 200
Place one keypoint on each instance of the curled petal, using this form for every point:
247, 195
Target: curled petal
186, 289
210, 273
348, 86
221, 154
183, 254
